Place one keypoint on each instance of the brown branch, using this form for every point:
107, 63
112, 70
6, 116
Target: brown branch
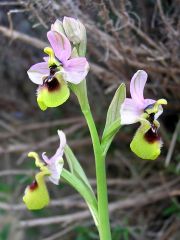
42, 125
140, 200
15, 35
39, 145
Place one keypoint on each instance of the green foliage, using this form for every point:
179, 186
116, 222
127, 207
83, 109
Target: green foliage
32, 233
173, 209
4, 232
86, 234
5, 188
118, 233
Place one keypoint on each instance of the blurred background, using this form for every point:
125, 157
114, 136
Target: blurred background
123, 36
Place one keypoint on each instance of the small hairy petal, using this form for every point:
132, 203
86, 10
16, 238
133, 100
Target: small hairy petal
60, 44
37, 72
129, 112
137, 84
75, 70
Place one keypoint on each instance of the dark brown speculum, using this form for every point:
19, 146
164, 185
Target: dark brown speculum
52, 84
152, 135
33, 185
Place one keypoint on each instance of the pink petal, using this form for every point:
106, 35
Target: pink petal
60, 44
137, 84
37, 72
148, 102
55, 163
56, 170
59, 153
75, 70
130, 112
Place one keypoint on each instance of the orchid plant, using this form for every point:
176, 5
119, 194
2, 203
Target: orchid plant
64, 70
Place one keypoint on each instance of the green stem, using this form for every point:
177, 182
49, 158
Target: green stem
104, 225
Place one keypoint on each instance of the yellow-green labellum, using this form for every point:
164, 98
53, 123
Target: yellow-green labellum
53, 92
36, 195
146, 143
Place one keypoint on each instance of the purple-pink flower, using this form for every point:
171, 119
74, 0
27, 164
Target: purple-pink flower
146, 143
57, 70
73, 70
134, 107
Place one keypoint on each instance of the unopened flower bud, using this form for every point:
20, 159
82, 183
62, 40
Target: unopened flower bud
57, 26
74, 29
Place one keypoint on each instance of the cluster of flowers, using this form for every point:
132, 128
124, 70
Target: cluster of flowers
64, 66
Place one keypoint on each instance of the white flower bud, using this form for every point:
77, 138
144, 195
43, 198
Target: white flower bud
74, 29
57, 26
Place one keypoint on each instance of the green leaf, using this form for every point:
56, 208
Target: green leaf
113, 120
80, 176
75, 166
84, 191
